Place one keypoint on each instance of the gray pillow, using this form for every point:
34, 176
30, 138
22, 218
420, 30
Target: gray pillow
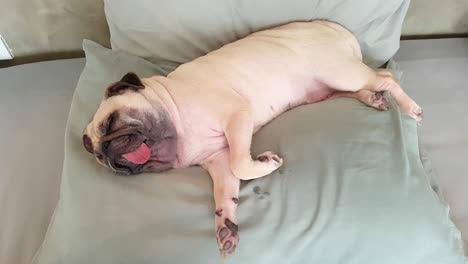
352, 190
180, 31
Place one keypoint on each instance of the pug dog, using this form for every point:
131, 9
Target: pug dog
206, 111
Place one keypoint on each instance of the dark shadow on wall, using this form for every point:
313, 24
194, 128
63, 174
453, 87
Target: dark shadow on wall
41, 57
434, 36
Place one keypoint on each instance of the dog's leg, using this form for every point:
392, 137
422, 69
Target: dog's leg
226, 196
385, 82
370, 98
354, 75
238, 132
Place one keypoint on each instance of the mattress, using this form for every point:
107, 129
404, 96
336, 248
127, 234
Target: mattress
34, 107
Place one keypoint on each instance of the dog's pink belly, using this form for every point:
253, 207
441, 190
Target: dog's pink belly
271, 107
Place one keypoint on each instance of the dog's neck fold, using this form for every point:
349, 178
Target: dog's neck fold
156, 91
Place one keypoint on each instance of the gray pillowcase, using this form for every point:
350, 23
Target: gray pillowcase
180, 31
352, 190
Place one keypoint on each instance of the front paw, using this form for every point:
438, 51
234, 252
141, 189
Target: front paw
270, 158
227, 235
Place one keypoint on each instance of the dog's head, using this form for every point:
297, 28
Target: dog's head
131, 133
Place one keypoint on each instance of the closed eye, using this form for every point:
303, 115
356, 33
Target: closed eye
105, 146
108, 126
111, 123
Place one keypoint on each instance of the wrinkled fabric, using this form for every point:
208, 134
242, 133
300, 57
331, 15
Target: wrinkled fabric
352, 190
180, 31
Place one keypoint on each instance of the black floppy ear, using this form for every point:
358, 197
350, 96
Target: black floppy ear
132, 79
129, 81
88, 144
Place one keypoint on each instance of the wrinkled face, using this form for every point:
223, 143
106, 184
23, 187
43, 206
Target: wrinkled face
129, 134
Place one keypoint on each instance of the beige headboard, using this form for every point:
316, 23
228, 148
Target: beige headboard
39, 30
436, 18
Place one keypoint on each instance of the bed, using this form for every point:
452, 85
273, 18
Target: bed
433, 73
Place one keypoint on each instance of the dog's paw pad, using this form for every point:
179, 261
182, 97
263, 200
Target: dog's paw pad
416, 113
413, 110
380, 102
270, 157
227, 237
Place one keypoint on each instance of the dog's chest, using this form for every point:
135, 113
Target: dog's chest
202, 139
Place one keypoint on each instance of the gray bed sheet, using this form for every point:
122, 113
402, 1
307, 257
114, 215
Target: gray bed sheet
35, 99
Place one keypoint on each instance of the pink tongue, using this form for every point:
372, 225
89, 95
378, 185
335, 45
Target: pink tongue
139, 156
